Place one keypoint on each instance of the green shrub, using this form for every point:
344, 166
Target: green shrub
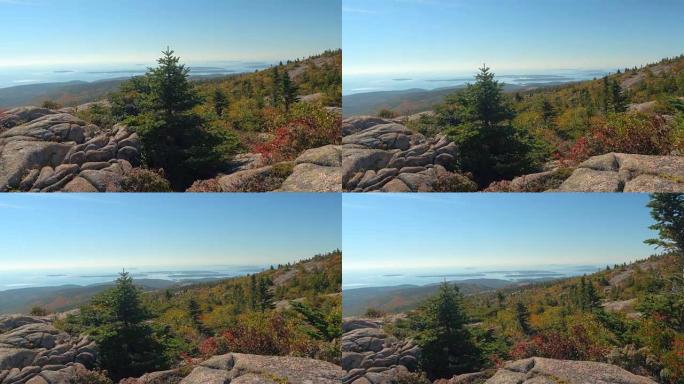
145, 180
387, 114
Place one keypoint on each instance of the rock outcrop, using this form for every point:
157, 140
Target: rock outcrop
383, 155
537, 370
370, 355
43, 150
237, 368
611, 172
33, 351
315, 170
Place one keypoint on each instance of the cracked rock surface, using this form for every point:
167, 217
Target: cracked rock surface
33, 351
43, 150
384, 155
537, 370
371, 356
238, 368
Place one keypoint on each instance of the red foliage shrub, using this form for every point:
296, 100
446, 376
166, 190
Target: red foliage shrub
574, 345
674, 361
624, 133
308, 127
259, 334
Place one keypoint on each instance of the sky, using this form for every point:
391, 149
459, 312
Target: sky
49, 32
134, 230
457, 36
428, 231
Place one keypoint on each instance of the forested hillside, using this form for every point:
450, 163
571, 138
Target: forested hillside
287, 310
548, 133
630, 315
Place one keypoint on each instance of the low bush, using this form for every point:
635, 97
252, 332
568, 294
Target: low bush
387, 114
308, 126
145, 180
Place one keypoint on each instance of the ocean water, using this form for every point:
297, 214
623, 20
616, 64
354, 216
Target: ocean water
83, 277
382, 278
14, 76
353, 84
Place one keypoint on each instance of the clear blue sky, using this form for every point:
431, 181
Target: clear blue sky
397, 231
441, 36
66, 231
135, 31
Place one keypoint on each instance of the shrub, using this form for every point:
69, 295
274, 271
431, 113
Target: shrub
211, 185
387, 114
374, 313
99, 115
576, 344
270, 333
308, 126
453, 182
51, 105
145, 180
673, 373
84, 376
267, 181
645, 134
39, 311
412, 378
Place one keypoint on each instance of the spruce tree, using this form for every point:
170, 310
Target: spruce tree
447, 346
522, 317
174, 138
289, 91
479, 122
220, 102
667, 210
265, 295
276, 87
117, 321
618, 97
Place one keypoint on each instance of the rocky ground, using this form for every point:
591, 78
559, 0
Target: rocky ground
371, 356
237, 368
383, 155
537, 370
315, 170
43, 150
33, 351
611, 172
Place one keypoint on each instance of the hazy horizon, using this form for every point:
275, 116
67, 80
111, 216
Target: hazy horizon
454, 233
450, 36
129, 31
65, 231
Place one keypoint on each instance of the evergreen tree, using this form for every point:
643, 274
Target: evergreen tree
490, 147
174, 137
548, 112
522, 317
605, 95
265, 301
117, 321
618, 97
195, 313
447, 346
276, 88
289, 91
325, 326
667, 209
220, 102
253, 292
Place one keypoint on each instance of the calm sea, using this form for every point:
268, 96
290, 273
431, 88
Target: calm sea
83, 277
353, 84
14, 76
382, 278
